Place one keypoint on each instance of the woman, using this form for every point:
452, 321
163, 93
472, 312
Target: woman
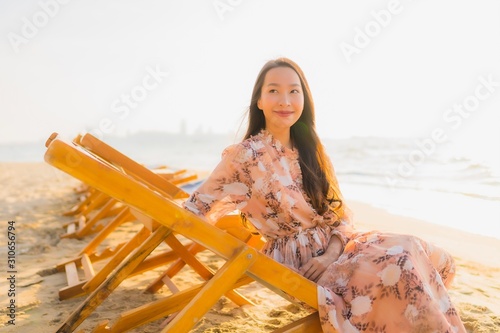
281, 180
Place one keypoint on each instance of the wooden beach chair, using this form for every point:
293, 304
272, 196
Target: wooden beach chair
99, 207
85, 196
243, 261
231, 224
87, 223
96, 206
88, 256
181, 254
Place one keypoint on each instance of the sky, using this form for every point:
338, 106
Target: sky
427, 69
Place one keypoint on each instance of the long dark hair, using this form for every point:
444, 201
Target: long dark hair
317, 173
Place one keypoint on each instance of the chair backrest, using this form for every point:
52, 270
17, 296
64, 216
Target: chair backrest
129, 166
121, 162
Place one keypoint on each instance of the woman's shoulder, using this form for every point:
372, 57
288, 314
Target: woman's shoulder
246, 150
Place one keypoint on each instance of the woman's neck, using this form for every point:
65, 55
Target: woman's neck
282, 136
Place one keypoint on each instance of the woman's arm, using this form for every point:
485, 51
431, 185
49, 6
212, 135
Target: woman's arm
316, 266
226, 189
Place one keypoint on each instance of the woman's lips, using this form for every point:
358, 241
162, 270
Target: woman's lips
283, 113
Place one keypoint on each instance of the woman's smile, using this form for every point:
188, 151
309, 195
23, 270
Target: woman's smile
283, 113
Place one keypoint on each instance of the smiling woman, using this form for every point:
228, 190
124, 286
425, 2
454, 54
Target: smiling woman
281, 180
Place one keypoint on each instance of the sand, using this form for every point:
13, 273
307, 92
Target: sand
35, 195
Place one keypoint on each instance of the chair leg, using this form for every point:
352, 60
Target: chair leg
110, 227
173, 269
76, 290
78, 208
89, 225
308, 324
133, 243
113, 281
222, 282
158, 309
201, 269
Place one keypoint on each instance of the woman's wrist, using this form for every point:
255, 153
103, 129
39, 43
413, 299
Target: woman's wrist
335, 247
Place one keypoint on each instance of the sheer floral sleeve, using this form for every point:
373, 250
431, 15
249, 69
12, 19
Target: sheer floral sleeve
228, 188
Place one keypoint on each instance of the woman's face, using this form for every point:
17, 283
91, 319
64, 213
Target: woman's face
281, 99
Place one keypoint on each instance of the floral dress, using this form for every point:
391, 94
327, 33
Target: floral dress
382, 282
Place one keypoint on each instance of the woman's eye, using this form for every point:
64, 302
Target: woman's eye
273, 91
295, 91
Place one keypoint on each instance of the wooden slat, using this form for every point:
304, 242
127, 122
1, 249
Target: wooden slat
123, 216
87, 267
155, 261
71, 291
71, 274
66, 224
146, 265
70, 231
170, 285
102, 149
82, 221
308, 324
103, 273
222, 282
62, 266
84, 201
159, 309
106, 253
173, 269
201, 269
122, 271
86, 225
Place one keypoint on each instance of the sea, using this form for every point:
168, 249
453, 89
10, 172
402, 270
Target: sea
405, 176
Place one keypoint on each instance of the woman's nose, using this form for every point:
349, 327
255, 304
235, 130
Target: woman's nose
285, 100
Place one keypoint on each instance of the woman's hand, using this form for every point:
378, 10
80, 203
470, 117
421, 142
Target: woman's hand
316, 266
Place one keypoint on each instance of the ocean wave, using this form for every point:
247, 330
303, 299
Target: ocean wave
490, 193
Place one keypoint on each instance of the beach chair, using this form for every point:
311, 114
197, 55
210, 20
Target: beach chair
243, 261
182, 254
98, 206
88, 256
112, 208
91, 198
86, 195
231, 224
87, 223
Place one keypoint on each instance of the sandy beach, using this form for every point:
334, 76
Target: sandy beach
34, 196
